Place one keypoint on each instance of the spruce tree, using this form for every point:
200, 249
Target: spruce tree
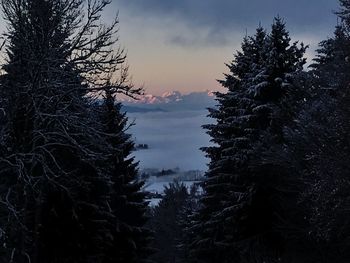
185, 221
236, 220
232, 134
344, 13
318, 145
55, 193
331, 65
127, 200
43, 162
165, 223
315, 151
170, 221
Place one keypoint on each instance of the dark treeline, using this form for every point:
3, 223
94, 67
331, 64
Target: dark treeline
277, 188
68, 190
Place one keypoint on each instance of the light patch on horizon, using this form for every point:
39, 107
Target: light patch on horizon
162, 65
178, 47
167, 50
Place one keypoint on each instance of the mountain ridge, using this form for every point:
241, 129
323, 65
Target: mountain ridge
169, 97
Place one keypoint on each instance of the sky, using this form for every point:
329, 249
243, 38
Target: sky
183, 45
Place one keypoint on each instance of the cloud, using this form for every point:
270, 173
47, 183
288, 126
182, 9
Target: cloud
207, 38
220, 18
174, 139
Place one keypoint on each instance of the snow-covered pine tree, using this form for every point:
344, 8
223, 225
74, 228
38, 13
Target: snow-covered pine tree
273, 84
344, 13
316, 151
185, 221
47, 162
331, 66
318, 145
237, 207
127, 203
232, 135
277, 101
280, 88
165, 223
54, 194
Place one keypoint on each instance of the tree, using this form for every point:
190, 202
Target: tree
330, 68
232, 122
55, 193
127, 199
318, 145
315, 152
168, 221
236, 221
344, 13
185, 221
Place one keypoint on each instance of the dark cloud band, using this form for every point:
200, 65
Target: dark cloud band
228, 12
220, 17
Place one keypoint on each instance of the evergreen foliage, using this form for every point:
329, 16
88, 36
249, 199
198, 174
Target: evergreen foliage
169, 222
62, 177
315, 153
277, 187
318, 145
331, 65
240, 203
127, 200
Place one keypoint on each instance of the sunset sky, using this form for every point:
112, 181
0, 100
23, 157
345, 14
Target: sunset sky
183, 45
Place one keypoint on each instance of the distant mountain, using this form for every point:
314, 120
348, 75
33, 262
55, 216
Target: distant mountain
136, 109
171, 101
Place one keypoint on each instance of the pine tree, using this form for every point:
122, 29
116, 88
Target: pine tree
344, 13
331, 66
165, 224
169, 222
315, 151
237, 204
55, 195
232, 134
318, 145
185, 221
127, 199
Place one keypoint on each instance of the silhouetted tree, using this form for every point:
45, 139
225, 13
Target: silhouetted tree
55, 194
127, 199
316, 151
331, 65
168, 222
236, 222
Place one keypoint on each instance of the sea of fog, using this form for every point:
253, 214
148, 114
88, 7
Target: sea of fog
174, 139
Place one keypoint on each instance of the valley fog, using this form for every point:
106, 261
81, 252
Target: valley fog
174, 139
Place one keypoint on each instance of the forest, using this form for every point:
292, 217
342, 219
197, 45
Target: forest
277, 188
